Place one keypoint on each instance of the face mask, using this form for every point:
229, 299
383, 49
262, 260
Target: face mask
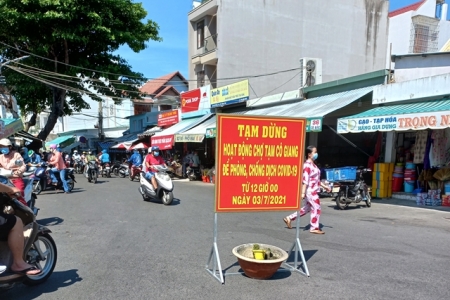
315, 156
156, 153
4, 150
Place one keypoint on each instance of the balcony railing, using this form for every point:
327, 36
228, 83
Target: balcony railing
210, 43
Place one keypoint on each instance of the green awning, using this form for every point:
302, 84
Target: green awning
62, 141
413, 116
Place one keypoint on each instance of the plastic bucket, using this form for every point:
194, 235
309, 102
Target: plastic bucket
398, 175
409, 186
410, 165
397, 183
447, 188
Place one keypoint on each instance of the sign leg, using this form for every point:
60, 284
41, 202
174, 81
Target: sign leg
216, 268
297, 248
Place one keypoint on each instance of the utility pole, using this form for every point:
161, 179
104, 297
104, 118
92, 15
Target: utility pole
100, 120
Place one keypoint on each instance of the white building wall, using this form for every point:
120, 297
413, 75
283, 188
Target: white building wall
414, 67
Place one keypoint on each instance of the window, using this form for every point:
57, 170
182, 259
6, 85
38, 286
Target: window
200, 34
200, 79
421, 38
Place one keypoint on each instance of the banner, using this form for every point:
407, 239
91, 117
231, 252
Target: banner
164, 142
168, 118
197, 99
313, 124
189, 138
259, 163
230, 94
9, 127
416, 121
211, 133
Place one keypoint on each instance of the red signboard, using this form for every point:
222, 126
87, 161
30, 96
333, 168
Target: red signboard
168, 118
259, 163
190, 101
164, 142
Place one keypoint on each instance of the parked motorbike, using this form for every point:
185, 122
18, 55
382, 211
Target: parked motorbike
352, 191
174, 169
115, 168
134, 171
42, 180
164, 192
323, 192
106, 170
193, 173
91, 171
40, 248
124, 169
29, 196
78, 166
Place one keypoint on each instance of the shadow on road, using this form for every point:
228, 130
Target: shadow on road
50, 221
350, 207
57, 281
175, 201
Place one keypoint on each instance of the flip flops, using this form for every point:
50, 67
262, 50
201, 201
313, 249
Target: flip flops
25, 271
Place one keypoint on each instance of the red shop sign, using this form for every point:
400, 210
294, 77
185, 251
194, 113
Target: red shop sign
164, 142
168, 118
190, 101
261, 158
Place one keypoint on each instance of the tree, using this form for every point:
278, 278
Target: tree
65, 34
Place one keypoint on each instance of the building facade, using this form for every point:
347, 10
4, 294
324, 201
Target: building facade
236, 39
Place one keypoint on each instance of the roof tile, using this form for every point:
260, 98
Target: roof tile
414, 6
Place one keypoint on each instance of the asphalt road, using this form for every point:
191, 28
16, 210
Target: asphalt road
113, 245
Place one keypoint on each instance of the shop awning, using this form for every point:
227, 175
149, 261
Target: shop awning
9, 127
196, 134
414, 116
62, 141
165, 139
129, 138
314, 109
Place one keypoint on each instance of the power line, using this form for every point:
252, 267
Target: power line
143, 78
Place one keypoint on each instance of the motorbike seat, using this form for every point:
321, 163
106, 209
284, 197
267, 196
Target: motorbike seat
27, 174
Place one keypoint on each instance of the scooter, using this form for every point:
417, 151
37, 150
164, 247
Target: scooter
115, 168
352, 191
323, 193
78, 166
42, 180
124, 169
193, 173
40, 248
106, 170
91, 171
134, 171
164, 192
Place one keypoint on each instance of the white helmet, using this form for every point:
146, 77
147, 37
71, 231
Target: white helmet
5, 142
75, 151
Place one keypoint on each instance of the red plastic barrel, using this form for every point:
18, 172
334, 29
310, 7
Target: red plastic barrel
397, 184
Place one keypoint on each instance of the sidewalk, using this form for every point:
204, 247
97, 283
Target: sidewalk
409, 203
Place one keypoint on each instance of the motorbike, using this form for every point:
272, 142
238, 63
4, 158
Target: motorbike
124, 169
164, 192
174, 169
115, 168
42, 180
40, 248
134, 171
29, 196
352, 191
106, 170
78, 166
323, 192
91, 172
193, 173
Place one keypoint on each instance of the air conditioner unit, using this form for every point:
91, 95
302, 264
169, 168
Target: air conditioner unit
311, 71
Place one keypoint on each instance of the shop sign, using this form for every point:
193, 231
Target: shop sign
189, 138
197, 99
210, 133
417, 121
259, 163
11, 128
168, 118
164, 142
230, 94
313, 124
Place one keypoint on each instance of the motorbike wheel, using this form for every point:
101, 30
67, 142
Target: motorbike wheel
50, 252
167, 198
369, 200
37, 188
71, 185
131, 177
121, 175
116, 172
108, 174
341, 203
143, 194
94, 178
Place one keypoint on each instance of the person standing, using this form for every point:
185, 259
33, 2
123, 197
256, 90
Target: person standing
310, 190
58, 166
195, 160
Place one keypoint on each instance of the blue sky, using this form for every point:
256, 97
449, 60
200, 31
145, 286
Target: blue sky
171, 54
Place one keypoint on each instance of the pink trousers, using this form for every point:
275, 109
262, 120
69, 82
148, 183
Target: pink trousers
312, 206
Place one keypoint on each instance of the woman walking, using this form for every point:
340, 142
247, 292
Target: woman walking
310, 189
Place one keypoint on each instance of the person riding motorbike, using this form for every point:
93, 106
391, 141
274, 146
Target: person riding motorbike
104, 158
76, 155
11, 230
58, 166
35, 159
90, 157
8, 158
151, 160
135, 159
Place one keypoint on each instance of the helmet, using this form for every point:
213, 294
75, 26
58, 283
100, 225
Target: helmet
5, 142
105, 151
75, 151
31, 152
53, 146
84, 152
90, 152
154, 148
